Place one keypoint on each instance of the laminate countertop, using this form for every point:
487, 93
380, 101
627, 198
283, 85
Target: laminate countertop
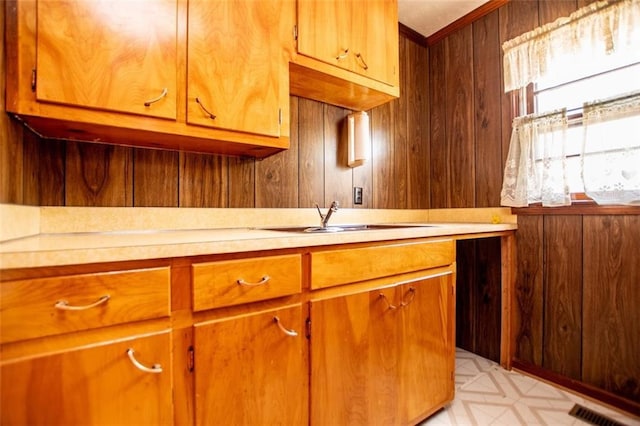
46, 247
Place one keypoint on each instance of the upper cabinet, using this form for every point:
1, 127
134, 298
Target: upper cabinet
115, 55
347, 52
233, 77
196, 76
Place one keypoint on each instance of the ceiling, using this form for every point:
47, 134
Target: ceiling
429, 16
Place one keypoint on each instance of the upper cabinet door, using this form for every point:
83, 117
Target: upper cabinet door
116, 55
324, 31
375, 35
234, 65
360, 36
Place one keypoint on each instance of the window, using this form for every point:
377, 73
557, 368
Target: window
584, 135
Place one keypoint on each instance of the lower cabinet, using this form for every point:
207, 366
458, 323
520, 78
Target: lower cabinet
127, 381
249, 369
383, 356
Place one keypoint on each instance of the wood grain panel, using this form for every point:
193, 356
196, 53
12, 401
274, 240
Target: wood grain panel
43, 171
155, 178
488, 300
550, 10
203, 180
466, 301
382, 158
440, 194
487, 105
416, 82
311, 151
242, 182
277, 176
563, 295
516, 17
98, 175
611, 318
529, 290
460, 117
337, 174
399, 125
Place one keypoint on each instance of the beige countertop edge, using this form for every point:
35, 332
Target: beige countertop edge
84, 248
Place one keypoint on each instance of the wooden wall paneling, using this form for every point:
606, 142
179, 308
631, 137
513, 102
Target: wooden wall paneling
529, 290
439, 182
416, 78
98, 175
488, 286
155, 178
487, 98
611, 318
550, 10
516, 17
44, 173
563, 295
466, 295
311, 153
338, 176
399, 124
203, 180
460, 116
382, 158
242, 182
277, 176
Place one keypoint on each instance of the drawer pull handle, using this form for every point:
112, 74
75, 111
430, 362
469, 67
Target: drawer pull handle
412, 295
65, 306
156, 99
263, 281
284, 329
362, 63
155, 368
389, 305
209, 114
343, 55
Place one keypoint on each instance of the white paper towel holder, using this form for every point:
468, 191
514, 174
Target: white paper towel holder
358, 138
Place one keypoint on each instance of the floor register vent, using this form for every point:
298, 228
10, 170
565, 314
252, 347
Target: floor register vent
590, 416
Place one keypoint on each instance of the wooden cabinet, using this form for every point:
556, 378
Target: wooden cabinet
347, 52
249, 369
94, 384
85, 347
382, 314
234, 71
130, 73
395, 351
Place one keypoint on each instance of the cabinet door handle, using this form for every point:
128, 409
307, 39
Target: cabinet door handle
284, 329
343, 55
154, 100
155, 368
389, 305
362, 63
412, 295
211, 116
263, 281
65, 306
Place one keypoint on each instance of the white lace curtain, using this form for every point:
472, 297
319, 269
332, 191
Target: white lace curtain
536, 167
578, 41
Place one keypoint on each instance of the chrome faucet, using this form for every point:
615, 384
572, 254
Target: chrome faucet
324, 218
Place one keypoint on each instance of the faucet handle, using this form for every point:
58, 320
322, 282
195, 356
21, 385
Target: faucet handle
319, 212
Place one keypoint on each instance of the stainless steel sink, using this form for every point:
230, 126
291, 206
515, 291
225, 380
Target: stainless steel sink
343, 228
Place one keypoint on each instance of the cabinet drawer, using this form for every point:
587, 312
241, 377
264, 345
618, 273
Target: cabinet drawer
233, 282
46, 306
335, 267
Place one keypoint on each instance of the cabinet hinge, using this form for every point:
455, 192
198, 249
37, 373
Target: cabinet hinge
280, 116
308, 326
33, 80
191, 357
295, 32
